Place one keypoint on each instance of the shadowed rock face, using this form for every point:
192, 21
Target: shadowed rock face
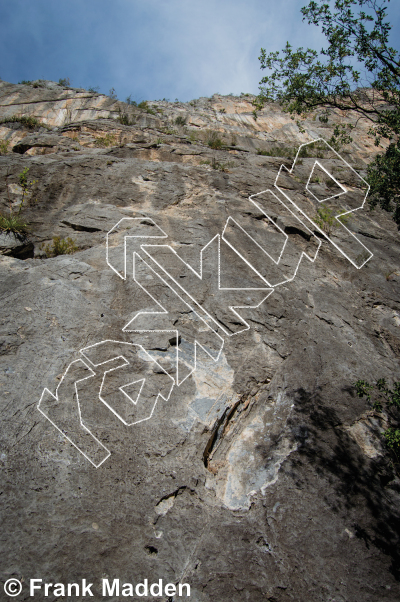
261, 476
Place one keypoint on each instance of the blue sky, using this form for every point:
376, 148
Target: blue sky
151, 49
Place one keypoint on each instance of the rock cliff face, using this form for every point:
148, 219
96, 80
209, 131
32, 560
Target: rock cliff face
188, 413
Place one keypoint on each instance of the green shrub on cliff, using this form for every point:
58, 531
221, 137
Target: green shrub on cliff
383, 397
60, 246
13, 222
4, 144
27, 120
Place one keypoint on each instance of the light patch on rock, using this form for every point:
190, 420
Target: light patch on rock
214, 393
164, 505
367, 432
255, 455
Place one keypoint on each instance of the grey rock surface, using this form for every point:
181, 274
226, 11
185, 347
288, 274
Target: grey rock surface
16, 245
262, 476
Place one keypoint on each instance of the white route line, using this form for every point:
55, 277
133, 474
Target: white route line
127, 363
165, 312
276, 262
337, 217
200, 276
79, 412
197, 308
334, 196
134, 219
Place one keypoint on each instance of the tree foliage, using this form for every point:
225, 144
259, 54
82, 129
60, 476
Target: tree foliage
356, 71
384, 397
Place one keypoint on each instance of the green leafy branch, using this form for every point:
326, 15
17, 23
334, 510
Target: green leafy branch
356, 71
382, 396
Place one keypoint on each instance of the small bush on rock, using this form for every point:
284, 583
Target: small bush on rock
107, 140
60, 246
13, 223
27, 120
4, 144
326, 220
180, 120
145, 107
213, 140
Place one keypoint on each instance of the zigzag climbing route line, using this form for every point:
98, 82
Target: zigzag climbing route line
134, 376
194, 329
352, 199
